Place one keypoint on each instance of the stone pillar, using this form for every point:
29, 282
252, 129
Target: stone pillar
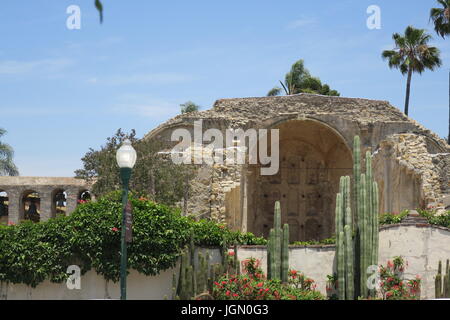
244, 183
45, 205
71, 200
13, 206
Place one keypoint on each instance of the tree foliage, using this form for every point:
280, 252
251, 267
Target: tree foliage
441, 18
153, 175
189, 107
412, 53
7, 166
299, 80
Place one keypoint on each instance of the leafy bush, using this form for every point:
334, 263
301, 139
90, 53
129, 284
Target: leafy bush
438, 220
393, 218
90, 237
432, 217
314, 242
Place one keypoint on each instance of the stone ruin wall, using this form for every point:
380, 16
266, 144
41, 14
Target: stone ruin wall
410, 171
410, 161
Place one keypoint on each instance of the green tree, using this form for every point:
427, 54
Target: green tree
153, 175
189, 107
299, 80
7, 166
441, 18
412, 54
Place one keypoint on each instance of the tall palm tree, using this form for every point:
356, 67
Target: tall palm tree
412, 54
441, 19
7, 166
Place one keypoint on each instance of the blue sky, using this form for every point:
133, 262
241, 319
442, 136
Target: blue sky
63, 91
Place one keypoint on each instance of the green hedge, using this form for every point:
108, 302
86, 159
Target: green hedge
90, 237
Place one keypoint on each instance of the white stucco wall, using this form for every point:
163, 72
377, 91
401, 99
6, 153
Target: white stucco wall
315, 262
421, 245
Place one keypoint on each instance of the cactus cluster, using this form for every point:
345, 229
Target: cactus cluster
278, 249
356, 235
197, 275
442, 282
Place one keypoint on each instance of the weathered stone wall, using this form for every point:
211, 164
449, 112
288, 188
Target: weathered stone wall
409, 175
411, 164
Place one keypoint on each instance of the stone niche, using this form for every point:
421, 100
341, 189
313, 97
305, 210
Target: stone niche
313, 157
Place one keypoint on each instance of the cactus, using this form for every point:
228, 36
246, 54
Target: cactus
197, 276
356, 245
442, 282
278, 249
285, 254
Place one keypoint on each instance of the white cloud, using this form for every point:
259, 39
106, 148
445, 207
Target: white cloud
300, 23
145, 106
150, 78
14, 67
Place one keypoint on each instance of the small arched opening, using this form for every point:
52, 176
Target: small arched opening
4, 204
31, 206
84, 196
59, 202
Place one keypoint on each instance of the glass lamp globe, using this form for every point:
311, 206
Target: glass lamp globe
126, 155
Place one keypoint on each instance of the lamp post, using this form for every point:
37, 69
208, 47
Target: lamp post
126, 158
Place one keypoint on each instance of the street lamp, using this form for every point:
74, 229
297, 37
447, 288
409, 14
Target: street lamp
126, 158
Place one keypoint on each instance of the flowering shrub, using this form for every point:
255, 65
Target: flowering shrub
253, 285
392, 284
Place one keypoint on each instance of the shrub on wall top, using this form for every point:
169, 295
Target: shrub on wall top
90, 238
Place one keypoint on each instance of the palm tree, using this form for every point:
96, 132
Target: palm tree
299, 80
441, 18
7, 166
412, 54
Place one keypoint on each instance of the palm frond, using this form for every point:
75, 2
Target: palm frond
274, 92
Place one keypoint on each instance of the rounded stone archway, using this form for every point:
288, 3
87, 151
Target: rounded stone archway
4, 202
313, 157
31, 205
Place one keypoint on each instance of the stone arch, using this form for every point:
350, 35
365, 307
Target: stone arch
59, 202
30, 205
4, 206
84, 195
313, 157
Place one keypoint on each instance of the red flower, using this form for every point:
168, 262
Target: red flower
259, 285
231, 253
114, 229
10, 223
228, 293
235, 295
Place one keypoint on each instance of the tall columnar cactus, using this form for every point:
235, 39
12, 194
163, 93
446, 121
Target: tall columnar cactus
356, 245
197, 275
278, 249
442, 282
